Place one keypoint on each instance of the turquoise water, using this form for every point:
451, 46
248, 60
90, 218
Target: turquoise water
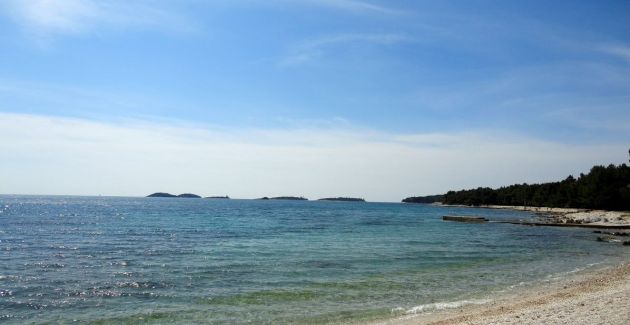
162, 260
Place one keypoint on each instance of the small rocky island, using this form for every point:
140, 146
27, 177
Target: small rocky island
161, 194
345, 199
185, 195
294, 198
189, 196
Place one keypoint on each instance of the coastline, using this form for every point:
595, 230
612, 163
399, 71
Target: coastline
594, 295
579, 216
598, 295
567, 215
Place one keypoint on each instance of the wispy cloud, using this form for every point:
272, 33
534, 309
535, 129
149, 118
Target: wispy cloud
354, 6
619, 50
65, 16
21, 95
316, 48
53, 155
345, 38
46, 19
577, 95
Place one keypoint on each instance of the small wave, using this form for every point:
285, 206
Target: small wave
63, 247
7, 316
24, 305
550, 278
520, 284
439, 306
562, 275
46, 266
107, 293
124, 274
143, 285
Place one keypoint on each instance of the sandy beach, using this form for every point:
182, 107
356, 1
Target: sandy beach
600, 296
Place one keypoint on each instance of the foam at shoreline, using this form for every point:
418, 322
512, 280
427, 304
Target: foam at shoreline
595, 294
439, 306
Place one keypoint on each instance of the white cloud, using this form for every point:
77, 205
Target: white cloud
53, 155
62, 16
46, 19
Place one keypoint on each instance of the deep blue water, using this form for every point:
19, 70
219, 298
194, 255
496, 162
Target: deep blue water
161, 260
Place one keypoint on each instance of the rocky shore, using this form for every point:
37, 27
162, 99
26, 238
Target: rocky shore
574, 216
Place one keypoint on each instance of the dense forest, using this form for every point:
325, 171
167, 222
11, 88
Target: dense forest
606, 188
424, 199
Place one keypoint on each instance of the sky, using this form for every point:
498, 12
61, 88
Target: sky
318, 98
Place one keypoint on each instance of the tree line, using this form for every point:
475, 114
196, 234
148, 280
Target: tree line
604, 187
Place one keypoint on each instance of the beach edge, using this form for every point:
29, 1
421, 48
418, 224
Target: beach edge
595, 295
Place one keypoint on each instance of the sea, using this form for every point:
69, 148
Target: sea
116, 260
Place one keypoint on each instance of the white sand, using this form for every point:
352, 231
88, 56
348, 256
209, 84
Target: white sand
592, 297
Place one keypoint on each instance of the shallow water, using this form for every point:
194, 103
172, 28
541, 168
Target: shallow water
164, 260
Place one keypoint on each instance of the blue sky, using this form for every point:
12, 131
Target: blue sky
508, 73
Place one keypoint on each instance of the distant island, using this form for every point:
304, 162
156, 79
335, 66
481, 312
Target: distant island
219, 197
424, 199
185, 195
347, 199
294, 198
161, 194
189, 196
